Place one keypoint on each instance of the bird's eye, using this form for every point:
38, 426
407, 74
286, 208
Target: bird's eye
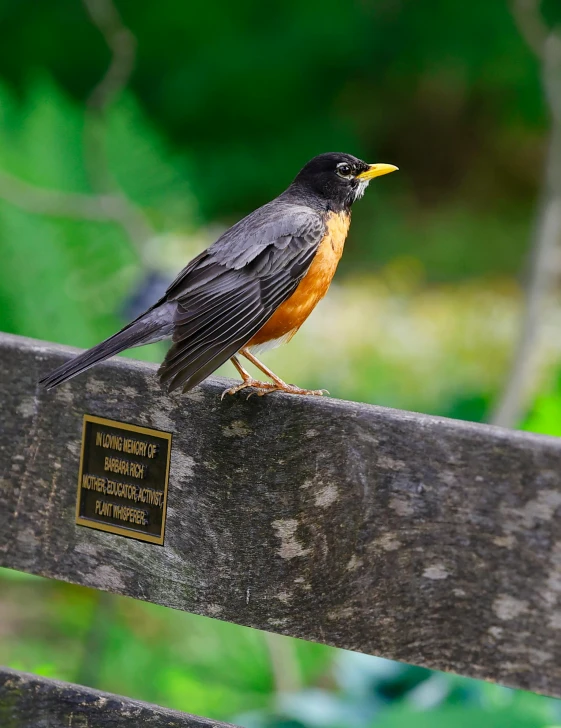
344, 170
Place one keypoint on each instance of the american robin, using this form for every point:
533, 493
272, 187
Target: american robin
253, 288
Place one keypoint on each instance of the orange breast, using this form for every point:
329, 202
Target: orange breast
291, 314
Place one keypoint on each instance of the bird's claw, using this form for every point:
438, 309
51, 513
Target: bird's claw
263, 388
292, 389
260, 387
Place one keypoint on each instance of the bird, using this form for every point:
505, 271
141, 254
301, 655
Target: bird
253, 288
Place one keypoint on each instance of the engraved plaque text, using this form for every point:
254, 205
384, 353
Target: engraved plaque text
123, 479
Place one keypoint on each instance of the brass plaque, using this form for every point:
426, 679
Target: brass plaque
123, 481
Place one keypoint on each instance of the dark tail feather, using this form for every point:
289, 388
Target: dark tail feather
151, 327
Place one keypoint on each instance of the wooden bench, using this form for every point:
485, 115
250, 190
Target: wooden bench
415, 538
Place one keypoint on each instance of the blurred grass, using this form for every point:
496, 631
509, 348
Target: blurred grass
152, 653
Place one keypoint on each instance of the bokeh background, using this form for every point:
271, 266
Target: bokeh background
133, 133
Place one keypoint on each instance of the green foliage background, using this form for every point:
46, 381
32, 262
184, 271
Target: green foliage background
226, 102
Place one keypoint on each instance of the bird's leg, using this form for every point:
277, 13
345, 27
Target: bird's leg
247, 381
279, 385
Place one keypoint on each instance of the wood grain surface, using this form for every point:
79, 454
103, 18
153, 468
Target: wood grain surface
29, 701
420, 539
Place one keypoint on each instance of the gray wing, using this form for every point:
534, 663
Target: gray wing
231, 290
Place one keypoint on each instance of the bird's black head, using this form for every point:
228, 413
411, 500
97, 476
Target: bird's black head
338, 179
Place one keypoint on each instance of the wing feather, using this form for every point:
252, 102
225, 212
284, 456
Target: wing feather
230, 322
231, 290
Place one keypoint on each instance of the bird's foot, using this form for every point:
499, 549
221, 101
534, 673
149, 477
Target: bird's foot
281, 386
264, 388
261, 388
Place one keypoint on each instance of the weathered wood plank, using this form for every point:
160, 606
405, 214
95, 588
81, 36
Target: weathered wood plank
29, 701
420, 539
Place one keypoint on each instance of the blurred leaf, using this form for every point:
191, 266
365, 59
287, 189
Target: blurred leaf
545, 415
150, 173
65, 280
11, 575
458, 717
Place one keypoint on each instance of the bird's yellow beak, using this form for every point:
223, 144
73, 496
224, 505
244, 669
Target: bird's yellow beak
377, 170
